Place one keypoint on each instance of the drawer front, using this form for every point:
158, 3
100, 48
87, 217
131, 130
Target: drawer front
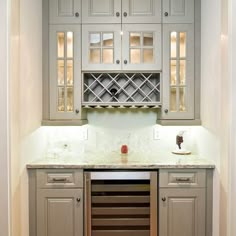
179, 178
54, 178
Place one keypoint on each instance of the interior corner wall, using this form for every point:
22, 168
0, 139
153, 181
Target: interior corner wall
14, 41
217, 105
211, 96
4, 122
232, 62
26, 103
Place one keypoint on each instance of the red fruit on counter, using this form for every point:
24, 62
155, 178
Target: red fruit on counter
124, 149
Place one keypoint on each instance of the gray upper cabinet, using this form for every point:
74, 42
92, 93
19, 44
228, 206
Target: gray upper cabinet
139, 11
178, 71
178, 11
121, 11
141, 47
137, 48
65, 11
101, 47
101, 11
65, 72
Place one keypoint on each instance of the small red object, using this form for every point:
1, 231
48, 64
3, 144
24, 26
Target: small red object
124, 149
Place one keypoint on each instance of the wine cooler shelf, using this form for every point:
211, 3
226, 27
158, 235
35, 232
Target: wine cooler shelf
121, 90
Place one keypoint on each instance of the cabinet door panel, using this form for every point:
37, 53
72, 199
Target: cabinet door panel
65, 11
141, 47
139, 11
60, 212
178, 71
101, 47
101, 11
65, 54
182, 212
178, 11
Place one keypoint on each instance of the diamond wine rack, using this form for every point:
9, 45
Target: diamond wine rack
121, 90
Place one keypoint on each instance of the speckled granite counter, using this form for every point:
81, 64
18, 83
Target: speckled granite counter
119, 161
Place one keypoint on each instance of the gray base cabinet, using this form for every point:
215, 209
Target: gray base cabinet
60, 212
185, 202
56, 202
182, 212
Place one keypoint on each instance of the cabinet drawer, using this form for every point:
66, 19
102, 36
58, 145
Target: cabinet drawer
54, 178
179, 178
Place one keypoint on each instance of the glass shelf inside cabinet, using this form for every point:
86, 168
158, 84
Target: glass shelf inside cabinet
119, 90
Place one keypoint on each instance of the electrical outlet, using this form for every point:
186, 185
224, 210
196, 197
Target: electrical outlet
156, 133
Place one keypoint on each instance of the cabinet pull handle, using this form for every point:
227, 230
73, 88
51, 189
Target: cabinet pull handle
166, 14
117, 14
59, 179
77, 14
125, 61
117, 61
166, 111
163, 199
78, 199
77, 111
125, 14
183, 179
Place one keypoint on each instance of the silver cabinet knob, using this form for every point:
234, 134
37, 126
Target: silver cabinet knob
125, 62
117, 14
77, 111
125, 14
117, 61
77, 14
166, 14
166, 111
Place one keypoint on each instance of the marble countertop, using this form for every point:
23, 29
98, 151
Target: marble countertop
92, 160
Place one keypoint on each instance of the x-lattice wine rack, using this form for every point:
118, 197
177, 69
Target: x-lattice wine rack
109, 90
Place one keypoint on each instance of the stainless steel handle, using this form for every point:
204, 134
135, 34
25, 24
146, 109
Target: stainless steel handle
118, 175
59, 179
117, 14
163, 199
125, 14
125, 61
117, 61
77, 111
183, 179
77, 14
166, 14
166, 111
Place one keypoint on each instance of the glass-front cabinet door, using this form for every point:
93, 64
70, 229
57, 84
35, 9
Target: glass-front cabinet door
101, 47
178, 71
65, 72
141, 47
122, 47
